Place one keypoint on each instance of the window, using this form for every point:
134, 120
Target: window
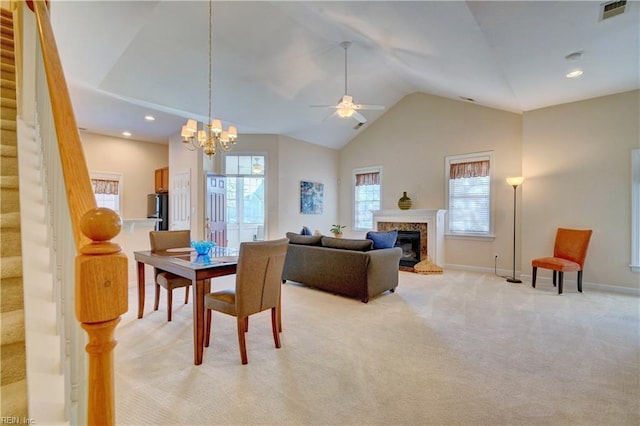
107, 188
245, 196
635, 210
468, 180
367, 196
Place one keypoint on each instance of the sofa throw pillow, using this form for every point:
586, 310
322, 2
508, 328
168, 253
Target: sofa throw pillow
305, 231
346, 243
309, 240
383, 239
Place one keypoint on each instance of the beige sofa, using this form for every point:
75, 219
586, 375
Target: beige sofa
343, 266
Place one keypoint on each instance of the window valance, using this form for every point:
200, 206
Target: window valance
469, 170
372, 178
105, 186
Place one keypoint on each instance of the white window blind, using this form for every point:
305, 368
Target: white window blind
469, 195
366, 197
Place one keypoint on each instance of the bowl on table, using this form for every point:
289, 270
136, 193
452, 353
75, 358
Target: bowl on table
202, 246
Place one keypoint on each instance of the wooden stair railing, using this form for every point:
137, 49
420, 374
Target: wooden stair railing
101, 268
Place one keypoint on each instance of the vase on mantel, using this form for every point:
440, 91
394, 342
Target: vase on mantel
404, 203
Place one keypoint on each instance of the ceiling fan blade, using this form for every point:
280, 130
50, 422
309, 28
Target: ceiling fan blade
333, 114
323, 106
358, 117
370, 107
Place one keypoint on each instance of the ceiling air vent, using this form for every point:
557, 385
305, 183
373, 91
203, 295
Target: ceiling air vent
612, 8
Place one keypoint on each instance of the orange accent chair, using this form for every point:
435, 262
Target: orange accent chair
569, 253
161, 241
258, 283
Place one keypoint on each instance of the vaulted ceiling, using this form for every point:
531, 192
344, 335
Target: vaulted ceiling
271, 60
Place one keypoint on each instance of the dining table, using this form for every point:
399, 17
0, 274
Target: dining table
186, 263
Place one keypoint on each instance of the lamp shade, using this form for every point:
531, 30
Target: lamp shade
192, 126
186, 133
216, 126
515, 181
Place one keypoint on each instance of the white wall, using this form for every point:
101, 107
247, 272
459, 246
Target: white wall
135, 160
410, 142
576, 161
301, 161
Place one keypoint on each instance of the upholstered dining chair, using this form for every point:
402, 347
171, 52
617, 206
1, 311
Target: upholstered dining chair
160, 241
258, 282
569, 253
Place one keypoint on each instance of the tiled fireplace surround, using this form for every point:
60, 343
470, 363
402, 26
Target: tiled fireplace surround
430, 224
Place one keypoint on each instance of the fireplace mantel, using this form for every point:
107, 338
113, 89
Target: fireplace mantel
435, 227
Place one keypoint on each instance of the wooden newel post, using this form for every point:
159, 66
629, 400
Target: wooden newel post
101, 297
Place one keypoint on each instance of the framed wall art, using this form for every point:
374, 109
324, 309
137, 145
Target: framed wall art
311, 194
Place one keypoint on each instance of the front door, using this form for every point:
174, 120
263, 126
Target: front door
216, 210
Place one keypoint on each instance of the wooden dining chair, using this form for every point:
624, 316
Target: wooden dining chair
569, 253
160, 241
258, 282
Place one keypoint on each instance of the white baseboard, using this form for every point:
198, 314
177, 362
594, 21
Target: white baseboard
587, 285
500, 272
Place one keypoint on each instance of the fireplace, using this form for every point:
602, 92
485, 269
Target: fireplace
412, 237
429, 224
409, 242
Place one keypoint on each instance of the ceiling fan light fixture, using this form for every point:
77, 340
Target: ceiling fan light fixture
574, 73
345, 112
345, 107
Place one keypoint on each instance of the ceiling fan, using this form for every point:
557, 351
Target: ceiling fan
346, 107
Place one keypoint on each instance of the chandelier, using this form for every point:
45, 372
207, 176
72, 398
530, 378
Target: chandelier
211, 135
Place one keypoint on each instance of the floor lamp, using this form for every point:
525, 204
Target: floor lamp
515, 182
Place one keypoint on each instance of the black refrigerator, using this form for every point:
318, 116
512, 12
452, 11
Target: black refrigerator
158, 208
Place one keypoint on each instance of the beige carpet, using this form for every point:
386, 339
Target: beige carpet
456, 348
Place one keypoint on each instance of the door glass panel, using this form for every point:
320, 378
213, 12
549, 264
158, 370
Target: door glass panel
245, 197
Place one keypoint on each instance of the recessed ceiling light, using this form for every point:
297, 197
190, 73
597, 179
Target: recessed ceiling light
574, 74
125, 133
149, 118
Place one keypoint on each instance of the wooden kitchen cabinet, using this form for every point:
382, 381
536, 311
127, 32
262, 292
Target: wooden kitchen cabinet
162, 180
